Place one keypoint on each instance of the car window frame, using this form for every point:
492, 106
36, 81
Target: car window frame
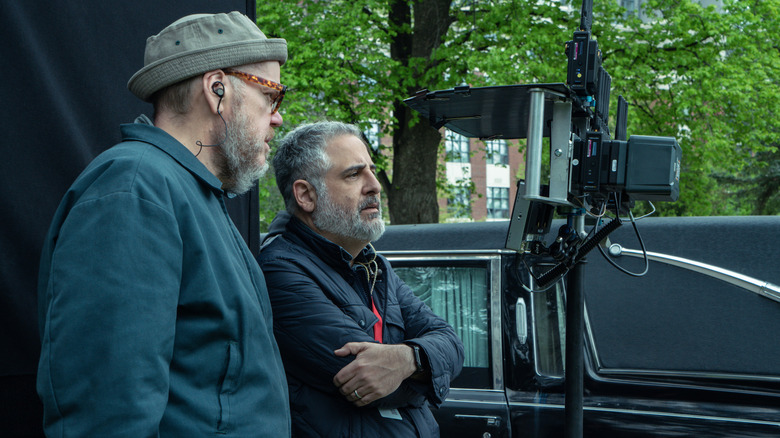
492, 259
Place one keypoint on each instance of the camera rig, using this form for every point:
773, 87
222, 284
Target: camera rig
591, 171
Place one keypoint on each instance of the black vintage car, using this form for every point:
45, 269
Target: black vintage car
690, 349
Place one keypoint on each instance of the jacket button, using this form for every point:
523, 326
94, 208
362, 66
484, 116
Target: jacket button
442, 390
362, 323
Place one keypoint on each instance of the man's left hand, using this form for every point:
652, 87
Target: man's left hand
377, 371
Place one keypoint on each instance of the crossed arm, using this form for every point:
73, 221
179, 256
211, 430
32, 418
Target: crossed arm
376, 371
326, 348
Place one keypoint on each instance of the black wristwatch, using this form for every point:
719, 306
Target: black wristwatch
417, 359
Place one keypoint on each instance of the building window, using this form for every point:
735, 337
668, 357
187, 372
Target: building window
374, 136
497, 152
632, 6
456, 147
498, 202
459, 202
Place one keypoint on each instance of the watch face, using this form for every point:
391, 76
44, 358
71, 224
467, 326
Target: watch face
417, 360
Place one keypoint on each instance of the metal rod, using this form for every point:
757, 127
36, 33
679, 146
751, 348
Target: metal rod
575, 344
533, 161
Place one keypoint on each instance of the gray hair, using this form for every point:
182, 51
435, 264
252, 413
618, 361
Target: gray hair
301, 155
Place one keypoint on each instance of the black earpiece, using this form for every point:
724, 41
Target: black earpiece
218, 88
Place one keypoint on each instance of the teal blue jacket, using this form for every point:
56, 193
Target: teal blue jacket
154, 315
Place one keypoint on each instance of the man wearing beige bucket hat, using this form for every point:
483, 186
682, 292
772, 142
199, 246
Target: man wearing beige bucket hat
154, 316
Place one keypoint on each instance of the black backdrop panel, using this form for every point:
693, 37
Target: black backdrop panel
65, 66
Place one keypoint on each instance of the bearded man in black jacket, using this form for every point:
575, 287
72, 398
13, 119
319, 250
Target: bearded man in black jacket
363, 355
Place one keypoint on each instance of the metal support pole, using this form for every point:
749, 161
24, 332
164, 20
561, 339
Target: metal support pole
533, 160
575, 356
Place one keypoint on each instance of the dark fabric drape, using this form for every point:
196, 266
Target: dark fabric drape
63, 95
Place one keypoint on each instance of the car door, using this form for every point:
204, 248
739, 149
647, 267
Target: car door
675, 354
688, 350
464, 288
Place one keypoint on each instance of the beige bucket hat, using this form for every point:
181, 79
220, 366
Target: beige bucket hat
199, 43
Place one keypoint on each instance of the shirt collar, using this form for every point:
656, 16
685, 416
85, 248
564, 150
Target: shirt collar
144, 131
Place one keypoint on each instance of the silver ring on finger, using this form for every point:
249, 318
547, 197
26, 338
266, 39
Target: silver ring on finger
357, 396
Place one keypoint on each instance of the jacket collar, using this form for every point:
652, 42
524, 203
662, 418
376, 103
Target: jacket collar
334, 255
144, 131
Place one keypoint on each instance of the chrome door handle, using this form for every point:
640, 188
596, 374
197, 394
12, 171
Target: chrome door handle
490, 420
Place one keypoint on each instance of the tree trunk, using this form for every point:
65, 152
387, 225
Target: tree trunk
412, 198
412, 194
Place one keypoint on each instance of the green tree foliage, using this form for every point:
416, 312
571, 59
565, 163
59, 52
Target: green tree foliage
710, 79
356, 62
707, 77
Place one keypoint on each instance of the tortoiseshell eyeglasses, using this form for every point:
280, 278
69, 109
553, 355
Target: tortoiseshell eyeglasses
264, 82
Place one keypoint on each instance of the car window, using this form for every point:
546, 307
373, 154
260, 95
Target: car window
459, 295
549, 327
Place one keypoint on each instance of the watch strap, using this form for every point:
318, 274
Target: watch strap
417, 358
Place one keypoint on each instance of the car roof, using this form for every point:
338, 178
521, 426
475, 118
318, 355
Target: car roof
746, 244
444, 237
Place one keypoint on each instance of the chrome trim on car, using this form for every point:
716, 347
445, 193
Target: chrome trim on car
760, 287
521, 323
591, 340
490, 420
496, 346
687, 374
439, 254
649, 413
455, 391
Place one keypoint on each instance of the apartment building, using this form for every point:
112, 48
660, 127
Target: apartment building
482, 178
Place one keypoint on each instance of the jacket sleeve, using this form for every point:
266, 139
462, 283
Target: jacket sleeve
435, 337
109, 295
308, 326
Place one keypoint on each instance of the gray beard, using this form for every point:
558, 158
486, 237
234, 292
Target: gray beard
238, 154
333, 218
